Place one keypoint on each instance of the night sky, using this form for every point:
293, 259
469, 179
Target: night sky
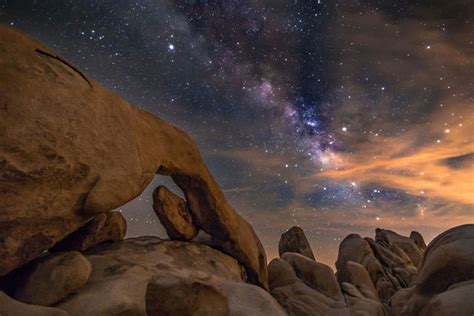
337, 116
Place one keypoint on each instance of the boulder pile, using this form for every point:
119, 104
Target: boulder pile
388, 275
71, 152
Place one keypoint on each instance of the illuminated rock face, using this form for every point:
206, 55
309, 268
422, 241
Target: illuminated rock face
70, 150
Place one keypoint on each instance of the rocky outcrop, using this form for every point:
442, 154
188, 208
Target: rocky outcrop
173, 214
445, 277
105, 227
305, 294
122, 271
356, 249
70, 150
52, 278
294, 240
305, 287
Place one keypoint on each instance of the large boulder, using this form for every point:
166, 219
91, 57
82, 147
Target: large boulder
173, 214
444, 282
294, 240
52, 278
121, 272
70, 150
10, 307
105, 227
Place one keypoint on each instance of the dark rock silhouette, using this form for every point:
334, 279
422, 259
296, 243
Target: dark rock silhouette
294, 240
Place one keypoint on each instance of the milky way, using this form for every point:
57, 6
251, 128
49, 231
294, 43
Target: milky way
336, 117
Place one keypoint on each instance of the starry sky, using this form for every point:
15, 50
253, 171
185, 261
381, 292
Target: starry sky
337, 116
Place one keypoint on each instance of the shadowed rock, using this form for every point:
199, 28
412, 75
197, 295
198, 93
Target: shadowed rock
53, 278
173, 214
419, 241
444, 282
10, 307
294, 240
357, 249
106, 227
70, 150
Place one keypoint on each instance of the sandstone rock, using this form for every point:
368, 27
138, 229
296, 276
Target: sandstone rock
296, 297
53, 278
122, 270
444, 277
294, 240
360, 304
105, 227
10, 307
396, 263
360, 278
171, 295
456, 300
280, 273
318, 276
356, 249
408, 245
173, 214
449, 259
69, 150
419, 241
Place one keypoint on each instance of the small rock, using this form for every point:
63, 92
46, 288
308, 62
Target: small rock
173, 214
294, 240
105, 227
53, 278
10, 307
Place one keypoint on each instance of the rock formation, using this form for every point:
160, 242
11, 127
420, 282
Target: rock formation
388, 275
294, 240
444, 282
173, 214
71, 150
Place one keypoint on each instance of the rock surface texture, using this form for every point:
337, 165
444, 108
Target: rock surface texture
70, 150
